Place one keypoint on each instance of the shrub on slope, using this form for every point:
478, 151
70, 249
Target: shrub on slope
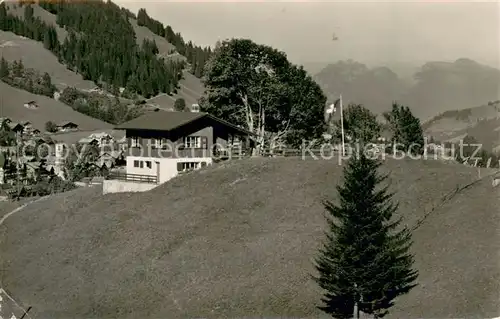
237, 239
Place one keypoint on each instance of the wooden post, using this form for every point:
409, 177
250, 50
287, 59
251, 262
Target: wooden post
26, 312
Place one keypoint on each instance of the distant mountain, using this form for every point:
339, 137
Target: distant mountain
437, 86
375, 88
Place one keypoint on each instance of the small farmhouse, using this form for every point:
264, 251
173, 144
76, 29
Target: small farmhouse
163, 144
31, 105
67, 126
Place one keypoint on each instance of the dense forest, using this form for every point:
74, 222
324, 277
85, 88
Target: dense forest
101, 45
196, 55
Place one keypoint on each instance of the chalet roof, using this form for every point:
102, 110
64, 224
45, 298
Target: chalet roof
83, 136
13, 125
167, 121
65, 123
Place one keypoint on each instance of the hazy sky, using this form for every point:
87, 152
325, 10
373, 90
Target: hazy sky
371, 32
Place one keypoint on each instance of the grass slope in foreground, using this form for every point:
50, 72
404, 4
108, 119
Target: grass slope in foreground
238, 239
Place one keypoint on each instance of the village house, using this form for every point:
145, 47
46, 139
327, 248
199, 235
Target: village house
16, 127
162, 145
102, 138
67, 126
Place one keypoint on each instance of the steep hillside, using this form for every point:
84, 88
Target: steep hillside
13, 99
482, 122
141, 32
35, 56
437, 86
191, 89
47, 17
244, 248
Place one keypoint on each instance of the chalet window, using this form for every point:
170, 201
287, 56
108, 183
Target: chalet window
148, 164
192, 142
135, 142
139, 164
160, 143
187, 166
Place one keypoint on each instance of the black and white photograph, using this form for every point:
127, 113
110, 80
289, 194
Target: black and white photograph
177, 159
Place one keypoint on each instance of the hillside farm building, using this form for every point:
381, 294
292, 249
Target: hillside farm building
67, 126
31, 105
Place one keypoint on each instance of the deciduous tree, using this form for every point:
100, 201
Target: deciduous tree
180, 105
256, 87
360, 124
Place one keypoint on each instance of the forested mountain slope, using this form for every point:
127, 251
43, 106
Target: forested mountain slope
82, 45
107, 44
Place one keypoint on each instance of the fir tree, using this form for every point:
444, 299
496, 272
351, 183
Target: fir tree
365, 262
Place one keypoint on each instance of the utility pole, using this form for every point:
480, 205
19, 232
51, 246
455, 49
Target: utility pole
18, 162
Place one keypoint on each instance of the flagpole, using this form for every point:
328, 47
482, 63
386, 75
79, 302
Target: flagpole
342, 125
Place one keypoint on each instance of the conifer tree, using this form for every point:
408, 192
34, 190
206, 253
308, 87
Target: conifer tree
406, 129
365, 262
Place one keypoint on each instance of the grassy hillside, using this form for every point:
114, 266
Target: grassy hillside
482, 122
188, 249
141, 32
191, 89
13, 99
35, 56
39, 12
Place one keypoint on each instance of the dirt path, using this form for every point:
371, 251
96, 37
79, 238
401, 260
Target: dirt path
12, 212
7, 303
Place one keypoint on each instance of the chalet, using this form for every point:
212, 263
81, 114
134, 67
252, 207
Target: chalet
102, 138
27, 127
16, 127
31, 105
163, 144
67, 126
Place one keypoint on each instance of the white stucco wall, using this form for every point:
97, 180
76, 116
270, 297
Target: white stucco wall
167, 166
118, 186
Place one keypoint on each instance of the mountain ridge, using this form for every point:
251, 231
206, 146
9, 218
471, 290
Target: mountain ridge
437, 86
